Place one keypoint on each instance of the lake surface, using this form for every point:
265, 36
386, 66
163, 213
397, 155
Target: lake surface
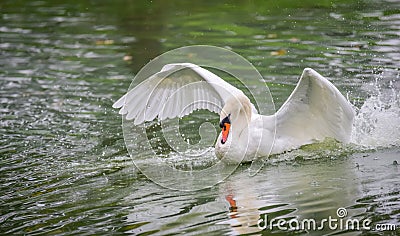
64, 166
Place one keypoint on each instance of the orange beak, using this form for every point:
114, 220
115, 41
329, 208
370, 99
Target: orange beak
225, 132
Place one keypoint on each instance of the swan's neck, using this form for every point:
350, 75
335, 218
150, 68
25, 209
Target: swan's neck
240, 124
239, 111
239, 108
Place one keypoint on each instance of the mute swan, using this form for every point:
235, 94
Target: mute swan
314, 111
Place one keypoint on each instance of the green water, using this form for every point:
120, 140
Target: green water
64, 167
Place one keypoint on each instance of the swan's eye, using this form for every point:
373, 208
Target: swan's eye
224, 121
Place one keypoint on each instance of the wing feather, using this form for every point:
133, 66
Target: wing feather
175, 91
314, 111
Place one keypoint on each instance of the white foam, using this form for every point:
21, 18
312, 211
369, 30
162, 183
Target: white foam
377, 123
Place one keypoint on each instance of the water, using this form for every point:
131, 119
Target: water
64, 167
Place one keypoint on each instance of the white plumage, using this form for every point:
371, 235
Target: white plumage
314, 111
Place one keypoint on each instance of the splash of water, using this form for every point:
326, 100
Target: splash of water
377, 123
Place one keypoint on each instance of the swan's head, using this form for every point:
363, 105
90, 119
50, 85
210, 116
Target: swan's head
236, 113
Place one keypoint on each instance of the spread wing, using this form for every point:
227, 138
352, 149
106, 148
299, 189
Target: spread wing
314, 111
175, 91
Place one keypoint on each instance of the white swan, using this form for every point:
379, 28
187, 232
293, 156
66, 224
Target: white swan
314, 111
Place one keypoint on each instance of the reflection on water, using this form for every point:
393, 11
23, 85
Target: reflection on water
290, 191
65, 170
287, 190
